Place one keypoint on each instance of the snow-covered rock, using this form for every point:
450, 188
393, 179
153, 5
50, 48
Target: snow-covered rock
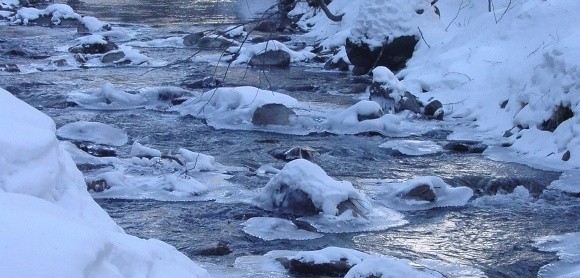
365, 116
50, 224
413, 147
196, 161
269, 228
245, 53
95, 132
56, 12
567, 247
139, 150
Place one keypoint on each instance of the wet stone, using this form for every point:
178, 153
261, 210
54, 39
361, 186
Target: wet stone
98, 185
96, 150
275, 58
272, 114
221, 249
423, 192
113, 56
312, 269
192, 39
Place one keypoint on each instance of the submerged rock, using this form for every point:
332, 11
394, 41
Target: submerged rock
434, 110
221, 249
212, 42
206, 82
99, 185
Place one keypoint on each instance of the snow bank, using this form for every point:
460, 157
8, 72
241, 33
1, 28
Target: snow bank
365, 116
58, 12
50, 224
98, 133
396, 195
413, 147
269, 228
246, 52
568, 250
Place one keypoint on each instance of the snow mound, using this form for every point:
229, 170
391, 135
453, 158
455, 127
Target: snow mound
413, 147
569, 182
58, 12
197, 161
229, 106
50, 224
269, 228
94, 25
397, 195
98, 133
567, 247
246, 52
139, 150
364, 116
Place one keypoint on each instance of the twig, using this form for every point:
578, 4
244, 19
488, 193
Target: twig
461, 7
423, 37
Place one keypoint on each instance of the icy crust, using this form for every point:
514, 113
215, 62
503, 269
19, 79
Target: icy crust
270, 228
46, 207
40, 239
568, 182
393, 194
362, 264
567, 247
246, 52
336, 206
98, 133
58, 12
413, 147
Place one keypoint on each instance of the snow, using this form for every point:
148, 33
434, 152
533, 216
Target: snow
50, 224
413, 147
95, 132
234, 31
246, 52
197, 161
347, 121
519, 197
569, 182
94, 24
139, 150
567, 247
390, 194
270, 228
387, 267
58, 12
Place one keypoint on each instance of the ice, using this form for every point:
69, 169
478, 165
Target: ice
139, 150
569, 182
519, 197
379, 219
567, 247
413, 147
197, 161
388, 267
98, 133
349, 122
391, 194
269, 228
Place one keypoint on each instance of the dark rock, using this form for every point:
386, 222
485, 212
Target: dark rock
272, 114
483, 186
507, 133
60, 63
340, 64
423, 192
178, 101
393, 55
221, 249
96, 150
369, 116
566, 156
358, 70
16, 52
206, 82
434, 110
98, 185
303, 225
273, 58
465, 147
68, 23
559, 115
331, 269
293, 153
382, 95
113, 56
506, 144
503, 104
266, 26
80, 58
192, 39
43, 20
214, 43
82, 29
95, 48
9, 68
279, 38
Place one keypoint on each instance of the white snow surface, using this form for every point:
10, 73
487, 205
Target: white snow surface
270, 228
139, 150
50, 224
58, 12
347, 121
390, 194
93, 24
412, 147
568, 182
95, 132
246, 52
567, 247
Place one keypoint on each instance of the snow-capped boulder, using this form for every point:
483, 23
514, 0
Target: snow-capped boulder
93, 44
196, 161
271, 58
293, 153
272, 114
304, 188
54, 14
246, 52
364, 116
387, 90
392, 54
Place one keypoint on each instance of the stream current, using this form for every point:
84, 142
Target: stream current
492, 234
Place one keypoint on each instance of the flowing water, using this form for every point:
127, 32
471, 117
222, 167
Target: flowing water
491, 234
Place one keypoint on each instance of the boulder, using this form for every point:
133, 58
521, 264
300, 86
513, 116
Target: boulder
206, 82
43, 20
16, 52
392, 54
96, 150
221, 249
94, 48
192, 39
340, 64
293, 153
434, 110
273, 58
266, 26
272, 114
113, 56
422, 192
465, 147
60, 63
280, 38
214, 43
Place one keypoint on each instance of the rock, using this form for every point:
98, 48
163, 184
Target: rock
80, 58
214, 43
82, 29
566, 156
221, 249
273, 58
393, 55
465, 147
272, 114
371, 115
559, 115
313, 269
178, 101
9, 68
98, 185
43, 20
266, 26
94, 48
293, 153
340, 65
112, 56
384, 96
192, 39
16, 52
423, 192
60, 63
96, 150
280, 38
206, 82
434, 110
